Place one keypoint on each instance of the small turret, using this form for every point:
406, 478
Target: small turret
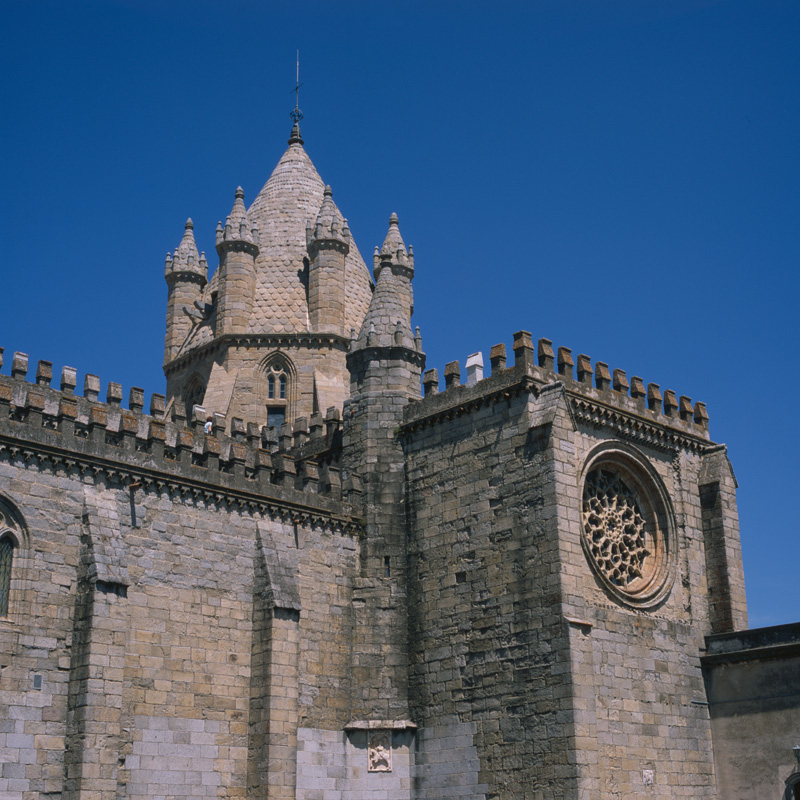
328, 243
387, 324
186, 273
394, 255
237, 245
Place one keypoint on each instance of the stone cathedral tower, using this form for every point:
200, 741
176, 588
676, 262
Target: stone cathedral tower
524, 586
265, 339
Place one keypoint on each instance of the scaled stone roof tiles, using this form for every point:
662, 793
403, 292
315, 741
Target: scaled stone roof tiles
292, 196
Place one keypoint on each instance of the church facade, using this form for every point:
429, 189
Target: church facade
297, 575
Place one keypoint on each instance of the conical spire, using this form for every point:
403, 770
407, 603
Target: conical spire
329, 225
393, 251
288, 202
387, 323
237, 225
388, 319
186, 258
393, 241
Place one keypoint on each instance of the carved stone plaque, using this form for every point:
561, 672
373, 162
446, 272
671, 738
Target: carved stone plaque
379, 752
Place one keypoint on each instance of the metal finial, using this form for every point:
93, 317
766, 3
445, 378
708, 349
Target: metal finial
296, 114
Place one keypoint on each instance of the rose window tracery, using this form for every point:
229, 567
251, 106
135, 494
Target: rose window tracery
615, 527
626, 527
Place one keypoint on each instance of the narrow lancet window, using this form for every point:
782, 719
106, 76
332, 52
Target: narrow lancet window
279, 392
6, 558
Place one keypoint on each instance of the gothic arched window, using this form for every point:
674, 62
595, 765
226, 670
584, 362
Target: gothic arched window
14, 553
193, 395
7, 545
276, 390
279, 391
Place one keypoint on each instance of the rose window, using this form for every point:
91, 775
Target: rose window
626, 526
614, 527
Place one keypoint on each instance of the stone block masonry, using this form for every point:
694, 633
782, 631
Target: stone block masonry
152, 571
499, 591
576, 686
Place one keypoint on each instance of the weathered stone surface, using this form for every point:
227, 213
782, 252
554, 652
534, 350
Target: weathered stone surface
499, 590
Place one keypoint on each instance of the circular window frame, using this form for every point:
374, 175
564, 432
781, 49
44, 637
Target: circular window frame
652, 497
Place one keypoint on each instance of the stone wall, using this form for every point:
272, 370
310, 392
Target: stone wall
582, 682
497, 591
166, 634
235, 375
489, 656
753, 683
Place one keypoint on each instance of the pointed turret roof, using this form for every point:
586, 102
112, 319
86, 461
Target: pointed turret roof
238, 212
329, 222
393, 241
393, 251
186, 258
237, 225
388, 319
387, 316
328, 212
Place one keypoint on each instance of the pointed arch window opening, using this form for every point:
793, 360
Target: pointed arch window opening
7, 545
279, 393
193, 395
276, 390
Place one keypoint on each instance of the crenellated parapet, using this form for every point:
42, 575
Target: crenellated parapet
598, 395
291, 472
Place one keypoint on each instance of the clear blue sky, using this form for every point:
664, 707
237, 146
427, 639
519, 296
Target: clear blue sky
618, 176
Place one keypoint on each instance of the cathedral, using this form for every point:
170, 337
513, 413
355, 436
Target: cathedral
314, 570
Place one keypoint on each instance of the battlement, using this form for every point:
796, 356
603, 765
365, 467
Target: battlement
596, 391
295, 468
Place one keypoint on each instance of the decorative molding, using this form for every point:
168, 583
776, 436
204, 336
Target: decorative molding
178, 487
303, 339
634, 428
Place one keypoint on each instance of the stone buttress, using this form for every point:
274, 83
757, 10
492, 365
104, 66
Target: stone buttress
385, 363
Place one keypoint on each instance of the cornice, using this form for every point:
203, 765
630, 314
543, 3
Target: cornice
631, 427
130, 475
246, 340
